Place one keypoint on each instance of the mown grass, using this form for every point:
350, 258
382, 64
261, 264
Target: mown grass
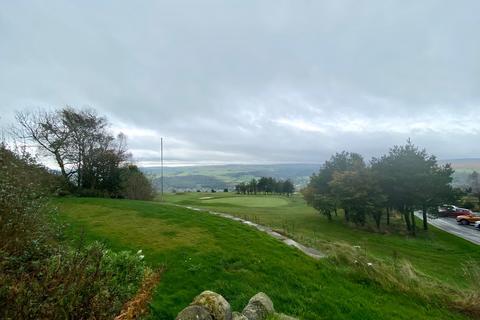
202, 251
435, 253
251, 202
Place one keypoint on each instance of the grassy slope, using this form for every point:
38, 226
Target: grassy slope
202, 252
436, 253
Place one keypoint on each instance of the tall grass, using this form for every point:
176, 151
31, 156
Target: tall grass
399, 275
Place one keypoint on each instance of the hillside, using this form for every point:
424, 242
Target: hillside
201, 251
220, 177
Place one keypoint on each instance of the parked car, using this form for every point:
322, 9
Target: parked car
468, 218
452, 211
477, 225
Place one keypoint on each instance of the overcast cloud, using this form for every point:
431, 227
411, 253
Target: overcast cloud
252, 81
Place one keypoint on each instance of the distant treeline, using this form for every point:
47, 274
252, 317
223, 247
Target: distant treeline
266, 185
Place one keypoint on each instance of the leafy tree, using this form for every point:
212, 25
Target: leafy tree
134, 184
252, 186
474, 182
318, 188
360, 193
287, 187
411, 179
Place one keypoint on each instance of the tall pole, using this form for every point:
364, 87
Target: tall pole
161, 169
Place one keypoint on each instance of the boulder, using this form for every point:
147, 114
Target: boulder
194, 313
217, 306
238, 316
281, 316
259, 307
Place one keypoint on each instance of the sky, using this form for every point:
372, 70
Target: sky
252, 81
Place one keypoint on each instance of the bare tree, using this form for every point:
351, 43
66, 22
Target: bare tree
87, 154
50, 133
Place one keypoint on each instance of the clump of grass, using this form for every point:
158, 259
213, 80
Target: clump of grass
401, 276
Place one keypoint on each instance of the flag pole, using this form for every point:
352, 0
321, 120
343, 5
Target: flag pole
161, 169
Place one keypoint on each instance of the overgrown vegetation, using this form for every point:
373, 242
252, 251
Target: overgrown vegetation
42, 277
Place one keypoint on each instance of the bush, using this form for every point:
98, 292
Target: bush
83, 283
468, 205
135, 185
42, 278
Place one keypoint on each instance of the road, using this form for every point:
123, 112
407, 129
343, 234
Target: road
450, 225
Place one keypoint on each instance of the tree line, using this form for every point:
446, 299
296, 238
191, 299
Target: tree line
266, 185
403, 181
92, 161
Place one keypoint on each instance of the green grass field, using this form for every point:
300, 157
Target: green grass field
435, 253
202, 251
250, 202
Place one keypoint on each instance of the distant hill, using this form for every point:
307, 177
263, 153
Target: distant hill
220, 177
463, 167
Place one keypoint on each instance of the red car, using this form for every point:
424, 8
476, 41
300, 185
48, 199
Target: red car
453, 211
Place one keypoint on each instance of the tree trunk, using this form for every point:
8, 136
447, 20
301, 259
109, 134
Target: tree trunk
406, 215
425, 222
61, 165
329, 216
388, 216
414, 226
347, 215
378, 217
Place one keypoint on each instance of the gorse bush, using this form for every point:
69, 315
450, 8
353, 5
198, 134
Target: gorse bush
43, 278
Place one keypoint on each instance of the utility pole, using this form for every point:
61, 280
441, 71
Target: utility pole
161, 169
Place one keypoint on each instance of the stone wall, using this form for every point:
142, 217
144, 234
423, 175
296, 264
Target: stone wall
209, 305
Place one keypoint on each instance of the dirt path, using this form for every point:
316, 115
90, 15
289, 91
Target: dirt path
314, 253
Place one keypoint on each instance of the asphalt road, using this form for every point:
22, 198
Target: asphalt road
450, 225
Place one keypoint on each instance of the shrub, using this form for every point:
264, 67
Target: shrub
42, 278
82, 283
135, 185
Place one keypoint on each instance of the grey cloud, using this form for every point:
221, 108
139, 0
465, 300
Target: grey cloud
249, 81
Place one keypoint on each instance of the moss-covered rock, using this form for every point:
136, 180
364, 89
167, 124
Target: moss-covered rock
259, 307
238, 316
194, 313
217, 306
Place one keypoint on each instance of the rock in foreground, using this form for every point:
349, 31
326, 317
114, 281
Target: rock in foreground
194, 313
209, 305
259, 307
217, 306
